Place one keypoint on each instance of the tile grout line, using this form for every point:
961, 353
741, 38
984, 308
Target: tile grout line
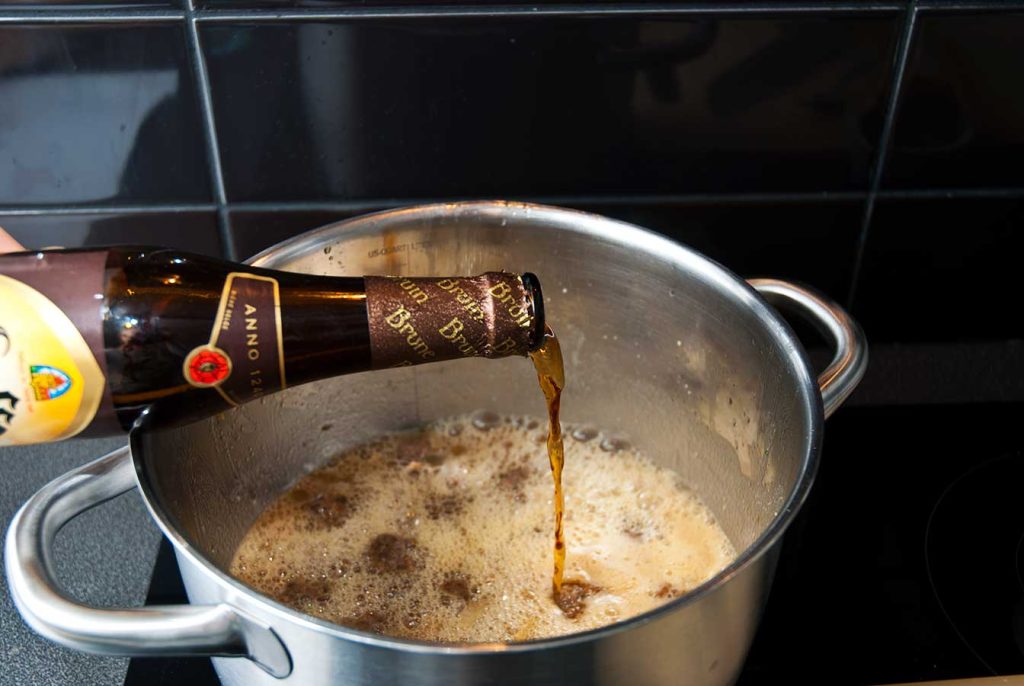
370, 204
645, 200
90, 16
432, 11
954, 6
435, 11
70, 210
442, 11
884, 144
215, 169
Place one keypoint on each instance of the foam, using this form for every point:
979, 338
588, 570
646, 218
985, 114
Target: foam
445, 534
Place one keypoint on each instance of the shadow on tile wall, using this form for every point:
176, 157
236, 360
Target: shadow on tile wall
195, 231
254, 231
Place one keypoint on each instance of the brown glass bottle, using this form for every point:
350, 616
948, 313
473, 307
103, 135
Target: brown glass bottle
180, 336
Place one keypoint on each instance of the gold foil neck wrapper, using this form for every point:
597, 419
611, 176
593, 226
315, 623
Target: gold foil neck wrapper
414, 320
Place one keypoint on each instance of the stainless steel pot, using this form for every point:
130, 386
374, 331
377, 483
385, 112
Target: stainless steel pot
661, 344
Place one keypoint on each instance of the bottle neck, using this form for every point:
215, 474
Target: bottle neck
324, 329
222, 333
340, 325
174, 323
414, 320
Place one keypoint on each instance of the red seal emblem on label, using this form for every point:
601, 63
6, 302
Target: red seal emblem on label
207, 366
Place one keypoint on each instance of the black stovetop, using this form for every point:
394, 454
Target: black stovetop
906, 564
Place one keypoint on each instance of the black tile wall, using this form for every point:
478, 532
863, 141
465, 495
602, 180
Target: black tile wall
943, 270
98, 114
750, 135
467, 4
195, 231
98, 4
812, 243
253, 231
961, 119
751, 239
386, 109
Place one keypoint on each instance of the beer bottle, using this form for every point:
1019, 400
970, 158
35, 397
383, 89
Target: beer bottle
92, 340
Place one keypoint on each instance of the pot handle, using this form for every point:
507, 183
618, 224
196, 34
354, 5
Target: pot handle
850, 361
155, 630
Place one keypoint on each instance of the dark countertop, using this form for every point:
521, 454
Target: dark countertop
104, 557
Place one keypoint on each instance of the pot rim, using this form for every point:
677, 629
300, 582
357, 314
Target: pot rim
600, 228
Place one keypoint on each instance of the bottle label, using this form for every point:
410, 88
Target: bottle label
244, 358
417, 320
51, 384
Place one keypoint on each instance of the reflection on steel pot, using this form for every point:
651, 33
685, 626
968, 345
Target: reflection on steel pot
661, 344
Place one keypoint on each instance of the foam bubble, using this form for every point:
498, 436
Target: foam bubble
443, 534
584, 433
486, 419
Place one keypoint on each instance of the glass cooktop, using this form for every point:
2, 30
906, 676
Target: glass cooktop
906, 564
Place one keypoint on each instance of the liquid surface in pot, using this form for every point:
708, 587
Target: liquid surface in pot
443, 534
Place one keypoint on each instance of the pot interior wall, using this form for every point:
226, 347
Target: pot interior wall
660, 346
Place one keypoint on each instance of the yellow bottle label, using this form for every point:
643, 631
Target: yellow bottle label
50, 383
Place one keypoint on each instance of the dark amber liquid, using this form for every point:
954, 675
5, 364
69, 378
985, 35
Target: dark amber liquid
547, 360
